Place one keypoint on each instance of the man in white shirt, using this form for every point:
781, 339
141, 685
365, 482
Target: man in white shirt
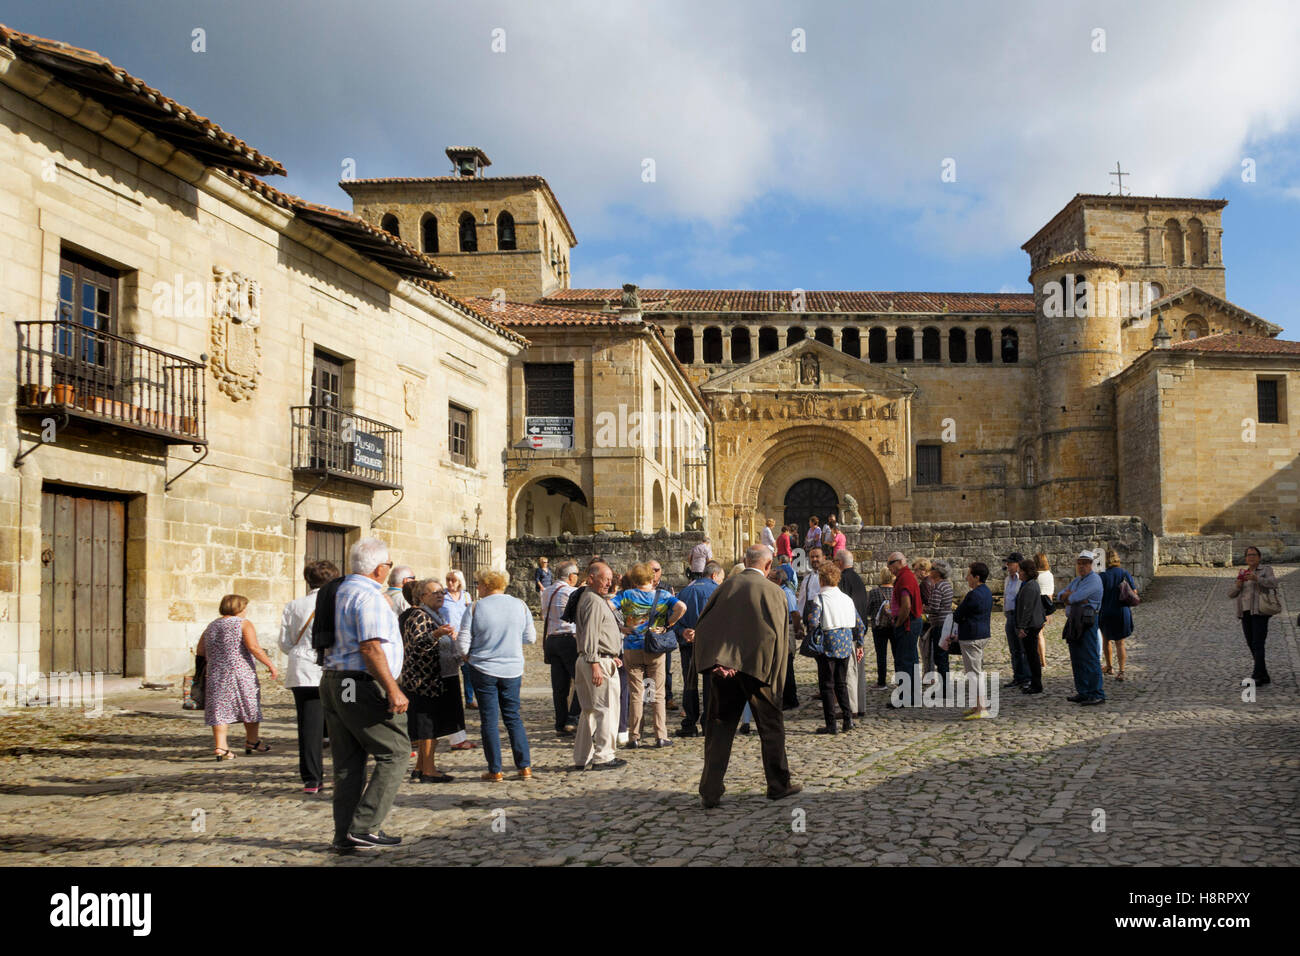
768, 538
302, 673
560, 648
811, 585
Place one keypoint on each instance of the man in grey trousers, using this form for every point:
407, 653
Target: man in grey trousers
600, 642
364, 708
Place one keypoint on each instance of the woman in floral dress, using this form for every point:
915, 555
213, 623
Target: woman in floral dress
233, 693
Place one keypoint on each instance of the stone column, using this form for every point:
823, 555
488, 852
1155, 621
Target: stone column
944, 357
783, 336
837, 334
697, 356
891, 337
753, 343
726, 346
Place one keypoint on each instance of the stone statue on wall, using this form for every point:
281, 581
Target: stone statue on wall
528, 516
631, 300
851, 516
695, 516
809, 370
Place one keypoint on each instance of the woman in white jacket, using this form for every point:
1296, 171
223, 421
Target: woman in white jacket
302, 673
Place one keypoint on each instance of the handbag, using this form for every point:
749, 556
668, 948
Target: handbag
1127, 596
812, 645
1269, 601
948, 636
1048, 604
658, 642
199, 686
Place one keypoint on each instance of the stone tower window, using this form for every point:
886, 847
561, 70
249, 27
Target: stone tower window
1010, 346
1194, 327
905, 345
957, 345
684, 344
983, 346
877, 345
930, 344
468, 233
505, 231
1173, 243
929, 464
389, 224
429, 233
769, 341
1029, 471
1196, 242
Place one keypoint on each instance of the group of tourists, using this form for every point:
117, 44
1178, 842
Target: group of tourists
375, 659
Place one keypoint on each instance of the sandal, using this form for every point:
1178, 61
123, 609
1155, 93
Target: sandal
1106, 669
464, 745
1119, 676
223, 754
257, 747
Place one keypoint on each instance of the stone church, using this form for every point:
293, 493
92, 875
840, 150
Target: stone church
1122, 381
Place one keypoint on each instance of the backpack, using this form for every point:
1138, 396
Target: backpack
322, 625
570, 615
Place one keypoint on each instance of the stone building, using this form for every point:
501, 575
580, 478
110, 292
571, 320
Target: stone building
900, 407
209, 381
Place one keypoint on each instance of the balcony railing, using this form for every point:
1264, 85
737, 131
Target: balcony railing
332, 442
97, 376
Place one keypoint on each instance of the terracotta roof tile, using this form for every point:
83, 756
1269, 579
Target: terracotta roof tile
96, 78
747, 300
525, 314
1082, 257
1239, 345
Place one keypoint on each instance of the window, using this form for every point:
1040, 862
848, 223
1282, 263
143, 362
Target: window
877, 345
458, 434
326, 381
389, 224
1010, 346
741, 352
1029, 471
549, 389
1270, 397
505, 231
930, 345
468, 233
675, 467
825, 336
796, 334
684, 344
1196, 242
768, 342
929, 464
852, 343
957, 345
1194, 327
712, 345
904, 345
1173, 242
429, 233
983, 346
87, 298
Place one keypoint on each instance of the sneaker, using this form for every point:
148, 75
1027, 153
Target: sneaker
1091, 701
978, 715
1075, 698
610, 764
344, 848
373, 840
311, 788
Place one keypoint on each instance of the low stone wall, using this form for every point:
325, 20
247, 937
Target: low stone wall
961, 543
1277, 547
621, 550
1199, 550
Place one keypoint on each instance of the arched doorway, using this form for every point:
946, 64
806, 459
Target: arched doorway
551, 506
810, 496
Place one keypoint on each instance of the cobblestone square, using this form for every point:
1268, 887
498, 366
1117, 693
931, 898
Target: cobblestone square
1184, 771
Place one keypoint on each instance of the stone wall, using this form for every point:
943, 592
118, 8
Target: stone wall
960, 543
1276, 547
1203, 550
670, 549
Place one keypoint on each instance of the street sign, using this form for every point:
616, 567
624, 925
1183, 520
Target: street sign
549, 431
368, 451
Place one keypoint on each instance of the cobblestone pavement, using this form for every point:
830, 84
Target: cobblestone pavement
1184, 771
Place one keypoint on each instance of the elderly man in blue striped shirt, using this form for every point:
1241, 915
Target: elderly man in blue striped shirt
364, 707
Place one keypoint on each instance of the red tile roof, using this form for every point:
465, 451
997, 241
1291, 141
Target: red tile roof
1082, 257
96, 78
1239, 345
525, 314
348, 184
747, 300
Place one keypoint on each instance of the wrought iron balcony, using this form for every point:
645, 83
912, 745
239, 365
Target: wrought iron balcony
333, 442
96, 376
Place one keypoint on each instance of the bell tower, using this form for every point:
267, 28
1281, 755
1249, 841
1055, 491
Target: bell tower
500, 236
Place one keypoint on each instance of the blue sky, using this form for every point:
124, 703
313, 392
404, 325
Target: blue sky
774, 167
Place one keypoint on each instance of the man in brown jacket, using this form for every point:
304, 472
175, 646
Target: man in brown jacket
740, 643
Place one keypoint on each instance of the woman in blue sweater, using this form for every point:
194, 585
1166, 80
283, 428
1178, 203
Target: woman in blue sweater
1115, 619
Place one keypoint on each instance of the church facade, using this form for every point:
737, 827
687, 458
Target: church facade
897, 407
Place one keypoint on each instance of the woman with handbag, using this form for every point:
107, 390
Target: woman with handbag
882, 632
1256, 593
648, 613
1118, 595
835, 631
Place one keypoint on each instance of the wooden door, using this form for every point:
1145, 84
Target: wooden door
83, 582
327, 543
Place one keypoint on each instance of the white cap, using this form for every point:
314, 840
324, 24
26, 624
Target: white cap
1087, 556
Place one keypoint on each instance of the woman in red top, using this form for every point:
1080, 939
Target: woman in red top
783, 542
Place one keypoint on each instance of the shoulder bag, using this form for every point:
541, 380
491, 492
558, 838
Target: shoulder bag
658, 642
1127, 596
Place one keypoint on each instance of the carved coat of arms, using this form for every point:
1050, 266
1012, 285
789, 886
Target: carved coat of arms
412, 399
236, 342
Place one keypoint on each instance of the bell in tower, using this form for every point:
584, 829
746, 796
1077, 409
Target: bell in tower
468, 161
